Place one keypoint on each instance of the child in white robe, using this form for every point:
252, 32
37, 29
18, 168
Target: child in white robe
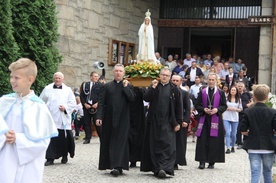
26, 127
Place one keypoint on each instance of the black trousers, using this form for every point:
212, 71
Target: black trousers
88, 119
239, 140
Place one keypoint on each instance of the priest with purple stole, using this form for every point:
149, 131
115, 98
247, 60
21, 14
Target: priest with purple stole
211, 103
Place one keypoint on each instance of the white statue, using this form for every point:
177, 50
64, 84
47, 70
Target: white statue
146, 50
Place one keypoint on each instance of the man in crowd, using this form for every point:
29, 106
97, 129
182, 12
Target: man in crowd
61, 103
113, 116
243, 79
224, 72
89, 96
196, 87
247, 101
181, 135
165, 115
188, 60
208, 60
210, 104
191, 74
159, 58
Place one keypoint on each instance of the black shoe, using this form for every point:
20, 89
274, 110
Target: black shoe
161, 174
232, 149
49, 162
64, 160
86, 141
115, 172
120, 170
228, 151
176, 167
201, 165
211, 166
132, 164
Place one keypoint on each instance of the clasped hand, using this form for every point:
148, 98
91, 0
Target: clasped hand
10, 137
210, 111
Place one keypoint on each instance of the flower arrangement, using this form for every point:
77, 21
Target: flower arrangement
143, 69
271, 102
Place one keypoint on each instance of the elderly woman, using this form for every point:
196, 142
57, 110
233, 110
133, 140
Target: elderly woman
217, 65
170, 63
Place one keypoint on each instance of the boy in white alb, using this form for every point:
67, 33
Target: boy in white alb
26, 127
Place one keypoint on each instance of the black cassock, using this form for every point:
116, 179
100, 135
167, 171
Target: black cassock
165, 112
181, 135
113, 109
211, 149
137, 126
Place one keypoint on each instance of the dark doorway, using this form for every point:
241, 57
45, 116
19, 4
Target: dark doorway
214, 41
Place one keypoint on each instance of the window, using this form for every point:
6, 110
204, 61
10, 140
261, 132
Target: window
209, 9
121, 52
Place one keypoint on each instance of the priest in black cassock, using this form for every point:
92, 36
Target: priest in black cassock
113, 116
137, 127
210, 104
181, 135
165, 115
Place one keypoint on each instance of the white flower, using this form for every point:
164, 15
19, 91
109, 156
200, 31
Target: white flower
272, 100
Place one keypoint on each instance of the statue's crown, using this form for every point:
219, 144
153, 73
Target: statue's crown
148, 13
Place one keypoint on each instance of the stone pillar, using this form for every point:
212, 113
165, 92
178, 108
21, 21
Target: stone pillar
273, 68
265, 46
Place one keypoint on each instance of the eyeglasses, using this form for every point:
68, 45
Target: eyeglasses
176, 80
165, 75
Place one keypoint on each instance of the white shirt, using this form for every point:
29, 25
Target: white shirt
193, 74
230, 76
188, 62
195, 89
232, 116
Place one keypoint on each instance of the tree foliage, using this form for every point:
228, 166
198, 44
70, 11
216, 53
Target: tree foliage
8, 46
35, 32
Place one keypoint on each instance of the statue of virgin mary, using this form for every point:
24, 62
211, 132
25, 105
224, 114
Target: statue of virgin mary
146, 50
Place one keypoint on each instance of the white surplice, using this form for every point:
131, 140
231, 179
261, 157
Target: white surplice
56, 97
28, 116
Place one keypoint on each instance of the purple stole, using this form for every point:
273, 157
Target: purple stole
214, 118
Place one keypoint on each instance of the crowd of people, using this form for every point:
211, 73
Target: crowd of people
149, 125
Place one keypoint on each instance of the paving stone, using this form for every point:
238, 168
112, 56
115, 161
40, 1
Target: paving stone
83, 168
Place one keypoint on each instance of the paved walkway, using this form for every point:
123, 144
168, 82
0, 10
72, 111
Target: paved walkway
83, 168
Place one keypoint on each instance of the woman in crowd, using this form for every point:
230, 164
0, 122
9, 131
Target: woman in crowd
225, 88
170, 63
231, 118
217, 65
179, 67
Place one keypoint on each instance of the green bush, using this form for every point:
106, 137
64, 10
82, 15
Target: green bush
8, 46
35, 31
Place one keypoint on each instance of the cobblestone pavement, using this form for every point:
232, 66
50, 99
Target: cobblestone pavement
83, 168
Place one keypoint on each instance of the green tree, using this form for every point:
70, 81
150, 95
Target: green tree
8, 46
36, 32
